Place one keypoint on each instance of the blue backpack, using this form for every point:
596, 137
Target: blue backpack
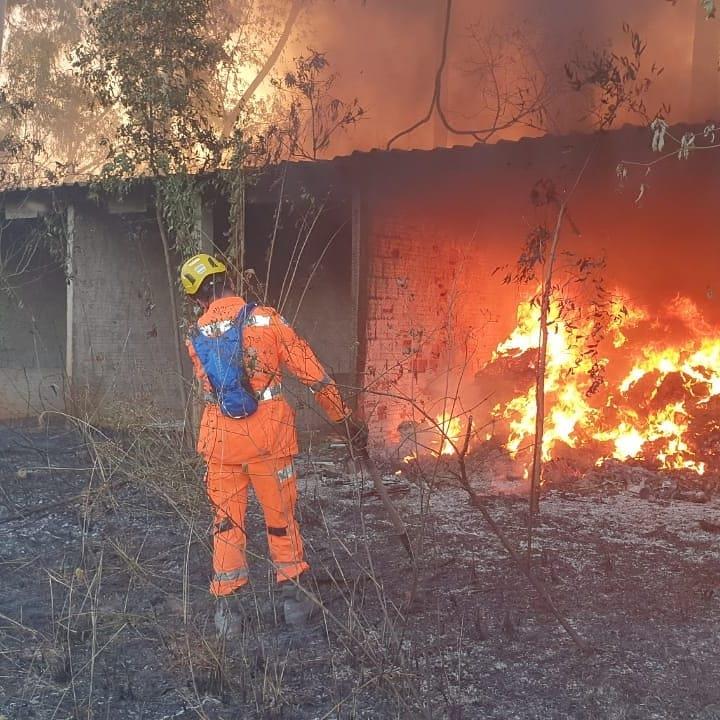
222, 359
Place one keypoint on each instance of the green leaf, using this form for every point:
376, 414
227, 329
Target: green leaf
709, 7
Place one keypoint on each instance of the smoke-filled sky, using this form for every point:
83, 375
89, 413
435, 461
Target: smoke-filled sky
386, 52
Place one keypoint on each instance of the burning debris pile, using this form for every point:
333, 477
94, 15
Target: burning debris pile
646, 396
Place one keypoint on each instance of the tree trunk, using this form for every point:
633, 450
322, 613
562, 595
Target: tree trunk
440, 133
537, 464
232, 117
236, 250
542, 360
3, 12
182, 390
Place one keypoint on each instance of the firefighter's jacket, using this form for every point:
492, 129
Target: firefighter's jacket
269, 344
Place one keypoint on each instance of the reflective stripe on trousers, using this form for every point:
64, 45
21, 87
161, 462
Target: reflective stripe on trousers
285, 473
276, 490
230, 575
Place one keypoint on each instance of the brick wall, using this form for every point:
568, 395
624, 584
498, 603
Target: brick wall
434, 316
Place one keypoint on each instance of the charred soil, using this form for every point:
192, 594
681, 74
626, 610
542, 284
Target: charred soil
104, 610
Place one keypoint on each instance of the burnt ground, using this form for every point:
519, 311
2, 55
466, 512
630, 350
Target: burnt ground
104, 611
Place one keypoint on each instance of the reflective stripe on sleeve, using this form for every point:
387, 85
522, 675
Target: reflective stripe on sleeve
269, 393
320, 385
259, 320
216, 329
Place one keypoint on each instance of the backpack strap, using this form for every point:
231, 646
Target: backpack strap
243, 316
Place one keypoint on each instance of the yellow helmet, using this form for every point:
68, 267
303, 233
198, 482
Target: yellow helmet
196, 269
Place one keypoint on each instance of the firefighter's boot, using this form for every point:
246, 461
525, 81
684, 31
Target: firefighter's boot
299, 604
230, 617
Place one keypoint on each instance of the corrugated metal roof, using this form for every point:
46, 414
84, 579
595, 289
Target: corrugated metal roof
364, 156
568, 139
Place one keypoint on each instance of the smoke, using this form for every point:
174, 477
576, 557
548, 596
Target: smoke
386, 55
505, 61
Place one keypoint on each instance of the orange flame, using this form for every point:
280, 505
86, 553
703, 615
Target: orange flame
635, 427
570, 407
451, 430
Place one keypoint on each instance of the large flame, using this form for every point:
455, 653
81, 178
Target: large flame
646, 415
569, 407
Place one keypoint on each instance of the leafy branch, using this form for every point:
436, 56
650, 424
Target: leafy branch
314, 114
617, 77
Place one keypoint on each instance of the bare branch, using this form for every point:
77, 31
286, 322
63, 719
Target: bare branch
522, 106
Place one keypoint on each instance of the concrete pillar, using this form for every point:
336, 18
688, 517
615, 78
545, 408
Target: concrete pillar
70, 296
205, 227
705, 83
360, 259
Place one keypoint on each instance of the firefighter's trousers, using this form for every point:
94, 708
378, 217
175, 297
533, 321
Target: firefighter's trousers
275, 486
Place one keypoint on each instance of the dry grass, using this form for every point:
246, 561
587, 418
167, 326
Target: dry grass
142, 476
114, 619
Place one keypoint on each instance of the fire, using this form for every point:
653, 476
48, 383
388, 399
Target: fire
451, 431
654, 404
628, 441
570, 407
625, 316
645, 412
667, 427
699, 366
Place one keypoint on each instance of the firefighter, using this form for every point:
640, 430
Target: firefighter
247, 433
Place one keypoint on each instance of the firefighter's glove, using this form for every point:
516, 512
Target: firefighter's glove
355, 432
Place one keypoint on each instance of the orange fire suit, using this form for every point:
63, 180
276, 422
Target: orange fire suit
258, 449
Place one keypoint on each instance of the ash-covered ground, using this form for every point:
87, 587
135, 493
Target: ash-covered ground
104, 611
